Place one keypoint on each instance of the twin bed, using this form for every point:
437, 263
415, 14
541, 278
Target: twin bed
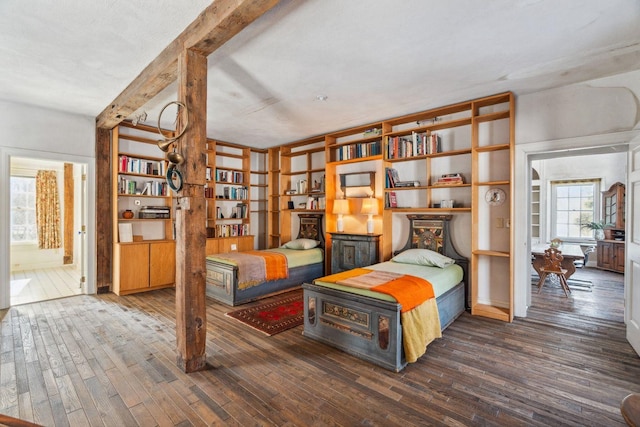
234, 278
343, 310
368, 324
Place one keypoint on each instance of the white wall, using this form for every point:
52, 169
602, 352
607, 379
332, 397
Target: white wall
39, 133
589, 115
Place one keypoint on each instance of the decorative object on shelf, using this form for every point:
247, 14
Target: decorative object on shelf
340, 207
495, 196
449, 204
369, 208
127, 214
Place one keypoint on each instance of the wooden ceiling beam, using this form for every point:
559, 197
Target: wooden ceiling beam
216, 25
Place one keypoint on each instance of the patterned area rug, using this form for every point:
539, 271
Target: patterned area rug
273, 317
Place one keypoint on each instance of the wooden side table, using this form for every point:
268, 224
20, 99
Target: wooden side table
350, 251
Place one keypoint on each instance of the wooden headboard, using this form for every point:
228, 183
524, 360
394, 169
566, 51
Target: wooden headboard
311, 227
432, 232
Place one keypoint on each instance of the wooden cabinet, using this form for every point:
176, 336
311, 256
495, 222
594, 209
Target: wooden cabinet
350, 251
613, 201
144, 266
143, 246
611, 255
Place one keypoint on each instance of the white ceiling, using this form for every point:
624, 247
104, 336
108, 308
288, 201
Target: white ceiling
373, 59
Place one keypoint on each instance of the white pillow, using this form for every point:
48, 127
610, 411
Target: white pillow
301, 244
423, 257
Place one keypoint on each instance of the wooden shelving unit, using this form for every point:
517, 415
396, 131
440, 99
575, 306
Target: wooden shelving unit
138, 181
302, 183
228, 195
492, 236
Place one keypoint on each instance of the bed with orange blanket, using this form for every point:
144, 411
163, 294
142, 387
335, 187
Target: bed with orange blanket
389, 312
239, 277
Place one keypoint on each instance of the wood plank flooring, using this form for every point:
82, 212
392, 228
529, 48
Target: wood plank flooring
29, 286
109, 360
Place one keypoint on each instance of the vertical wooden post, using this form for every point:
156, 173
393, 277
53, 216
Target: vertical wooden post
104, 226
191, 321
68, 222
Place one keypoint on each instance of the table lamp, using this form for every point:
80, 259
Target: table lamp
340, 207
370, 208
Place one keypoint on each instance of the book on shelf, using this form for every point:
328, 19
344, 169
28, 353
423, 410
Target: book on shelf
450, 179
125, 233
391, 199
391, 177
407, 184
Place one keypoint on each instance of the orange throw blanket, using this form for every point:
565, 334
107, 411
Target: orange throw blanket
256, 267
276, 264
409, 291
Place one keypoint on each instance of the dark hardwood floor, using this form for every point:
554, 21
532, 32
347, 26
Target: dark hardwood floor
109, 360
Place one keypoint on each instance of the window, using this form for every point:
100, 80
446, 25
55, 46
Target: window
573, 204
23, 210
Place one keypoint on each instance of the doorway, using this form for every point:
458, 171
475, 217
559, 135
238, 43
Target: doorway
37, 273
593, 289
29, 268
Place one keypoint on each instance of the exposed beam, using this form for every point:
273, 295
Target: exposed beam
217, 24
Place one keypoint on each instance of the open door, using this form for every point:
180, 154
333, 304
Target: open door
632, 267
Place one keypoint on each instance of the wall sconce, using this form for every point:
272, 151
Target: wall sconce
340, 207
370, 208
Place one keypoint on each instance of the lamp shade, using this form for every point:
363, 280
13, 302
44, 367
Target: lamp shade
369, 206
341, 207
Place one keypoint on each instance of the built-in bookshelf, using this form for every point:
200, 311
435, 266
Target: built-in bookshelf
259, 192
143, 224
427, 148
492, 234
302, 183
228, 190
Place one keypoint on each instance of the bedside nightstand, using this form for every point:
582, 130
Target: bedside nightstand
353, 250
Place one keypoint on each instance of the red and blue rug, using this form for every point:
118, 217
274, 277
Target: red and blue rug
273, 317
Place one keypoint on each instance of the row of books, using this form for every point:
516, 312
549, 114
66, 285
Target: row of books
128, 164
229, 176
234, 193
358, 150
231, 230
241, 210
390, 199
416, 144
149, 188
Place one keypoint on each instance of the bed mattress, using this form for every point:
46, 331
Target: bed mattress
442, 279
295, 257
